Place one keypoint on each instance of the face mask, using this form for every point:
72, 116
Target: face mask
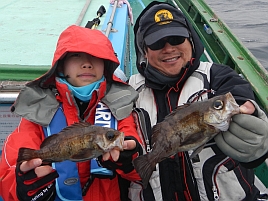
83, 93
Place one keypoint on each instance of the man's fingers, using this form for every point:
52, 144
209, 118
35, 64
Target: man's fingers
247, 108
31, 164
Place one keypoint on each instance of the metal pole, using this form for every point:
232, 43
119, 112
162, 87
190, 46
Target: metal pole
110, 23
83, 12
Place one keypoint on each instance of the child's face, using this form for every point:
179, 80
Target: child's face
82, 69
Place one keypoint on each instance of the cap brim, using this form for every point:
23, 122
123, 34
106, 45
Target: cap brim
164, 32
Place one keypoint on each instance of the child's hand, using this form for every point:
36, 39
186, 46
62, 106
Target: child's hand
35, 182
122, 160
114, 154
40, 171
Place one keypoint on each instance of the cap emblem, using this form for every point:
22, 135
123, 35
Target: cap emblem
162, 16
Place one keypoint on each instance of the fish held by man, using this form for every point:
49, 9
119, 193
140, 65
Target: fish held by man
78, 142
188, 127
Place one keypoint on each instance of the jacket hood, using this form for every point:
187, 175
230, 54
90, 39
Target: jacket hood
139, 32
80, 39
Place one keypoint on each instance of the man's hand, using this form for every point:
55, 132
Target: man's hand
247, 108
35, 181
247, 137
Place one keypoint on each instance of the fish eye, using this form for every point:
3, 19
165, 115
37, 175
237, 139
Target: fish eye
218, 105
110, 135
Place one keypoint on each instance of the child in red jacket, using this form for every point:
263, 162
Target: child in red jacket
80, 83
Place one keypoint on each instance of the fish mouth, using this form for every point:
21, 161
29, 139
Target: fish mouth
119, 142
222, 126
224, 118
232, 104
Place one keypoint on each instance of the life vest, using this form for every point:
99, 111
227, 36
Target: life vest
68, 186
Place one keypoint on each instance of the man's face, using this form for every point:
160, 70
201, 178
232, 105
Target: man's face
171, 58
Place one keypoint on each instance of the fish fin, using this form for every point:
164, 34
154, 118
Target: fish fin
190, 139
144, 168
178, 108
25, 154
197, 151
52, 138
84, 155
156, 129
48, 140
185, 105
80, 124
76, 125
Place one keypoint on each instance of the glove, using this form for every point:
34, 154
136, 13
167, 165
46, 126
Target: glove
247, 137
124, 162
30, 187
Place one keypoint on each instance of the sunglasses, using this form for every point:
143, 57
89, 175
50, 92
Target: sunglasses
172, 40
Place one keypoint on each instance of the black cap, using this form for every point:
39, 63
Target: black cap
162, 20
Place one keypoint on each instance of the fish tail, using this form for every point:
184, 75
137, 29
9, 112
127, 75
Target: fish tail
144, 166
26, 154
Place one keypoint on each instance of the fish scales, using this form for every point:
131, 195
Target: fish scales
78, 142
69, 144
189, 127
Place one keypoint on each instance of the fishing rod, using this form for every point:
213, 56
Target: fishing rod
96, 21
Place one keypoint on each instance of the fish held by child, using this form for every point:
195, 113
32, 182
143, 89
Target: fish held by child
188, 127
78, 142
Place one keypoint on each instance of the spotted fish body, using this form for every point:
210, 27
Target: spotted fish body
78, 142
189, 127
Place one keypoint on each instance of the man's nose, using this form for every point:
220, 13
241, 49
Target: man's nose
168, 47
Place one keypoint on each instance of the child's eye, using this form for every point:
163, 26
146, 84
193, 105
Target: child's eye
75, 55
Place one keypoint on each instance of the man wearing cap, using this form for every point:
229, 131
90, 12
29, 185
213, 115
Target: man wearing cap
168, 54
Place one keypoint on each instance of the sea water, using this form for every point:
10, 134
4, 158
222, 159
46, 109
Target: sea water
248, 20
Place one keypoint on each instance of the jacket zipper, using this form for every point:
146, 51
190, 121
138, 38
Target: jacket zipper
144, 131
214, 185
